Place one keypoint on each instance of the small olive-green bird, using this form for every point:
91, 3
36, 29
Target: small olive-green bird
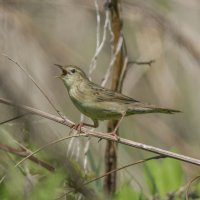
99, 103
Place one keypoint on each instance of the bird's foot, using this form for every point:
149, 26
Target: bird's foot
113, 133
77, 127
99, 140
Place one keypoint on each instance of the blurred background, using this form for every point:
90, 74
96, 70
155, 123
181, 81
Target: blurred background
37, 34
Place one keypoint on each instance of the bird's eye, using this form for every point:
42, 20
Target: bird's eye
73, 71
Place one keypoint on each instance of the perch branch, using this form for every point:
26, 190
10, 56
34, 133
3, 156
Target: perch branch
87, 132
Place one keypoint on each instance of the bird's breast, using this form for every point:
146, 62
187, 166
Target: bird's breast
77, 93
80, 98
87, 103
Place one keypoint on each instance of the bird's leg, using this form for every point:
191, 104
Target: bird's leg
95, 125
78, 126
113, 133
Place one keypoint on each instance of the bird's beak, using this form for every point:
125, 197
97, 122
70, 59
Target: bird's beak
64, 72
60, 66
60, 77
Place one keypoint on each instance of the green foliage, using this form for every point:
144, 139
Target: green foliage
127, 193
197, 183
48, 187
194, 189
12, 185
164, 176
21, 183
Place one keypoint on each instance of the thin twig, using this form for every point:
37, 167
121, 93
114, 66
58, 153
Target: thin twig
127, 65
98, 23
115, 170
93, 62
98, 50
167, 26
91, 69
13, 118
113, 59
47, 145
123, 167
124, 71
36, 84
87, 132
188, 187
86, 149
141, 62
31, 155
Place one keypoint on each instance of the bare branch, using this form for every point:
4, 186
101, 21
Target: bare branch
23, 153
47, 145
98, 23
87, 132
142, 62
36, 84
112, 62
13, 118
168, 26
101, 45
123, 167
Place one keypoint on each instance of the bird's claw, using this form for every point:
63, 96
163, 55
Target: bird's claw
99, 140
77, 127
114, 135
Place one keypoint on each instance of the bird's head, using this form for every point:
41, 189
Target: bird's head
71, 75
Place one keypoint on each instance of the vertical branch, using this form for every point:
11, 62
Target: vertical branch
118, 60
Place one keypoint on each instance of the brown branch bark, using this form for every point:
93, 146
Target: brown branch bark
110, 180
23, 153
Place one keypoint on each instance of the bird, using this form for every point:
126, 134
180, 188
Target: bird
99, 103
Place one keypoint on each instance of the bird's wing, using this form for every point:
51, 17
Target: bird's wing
103, 94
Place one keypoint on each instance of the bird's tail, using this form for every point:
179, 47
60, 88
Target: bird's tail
140, 109
164, 110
